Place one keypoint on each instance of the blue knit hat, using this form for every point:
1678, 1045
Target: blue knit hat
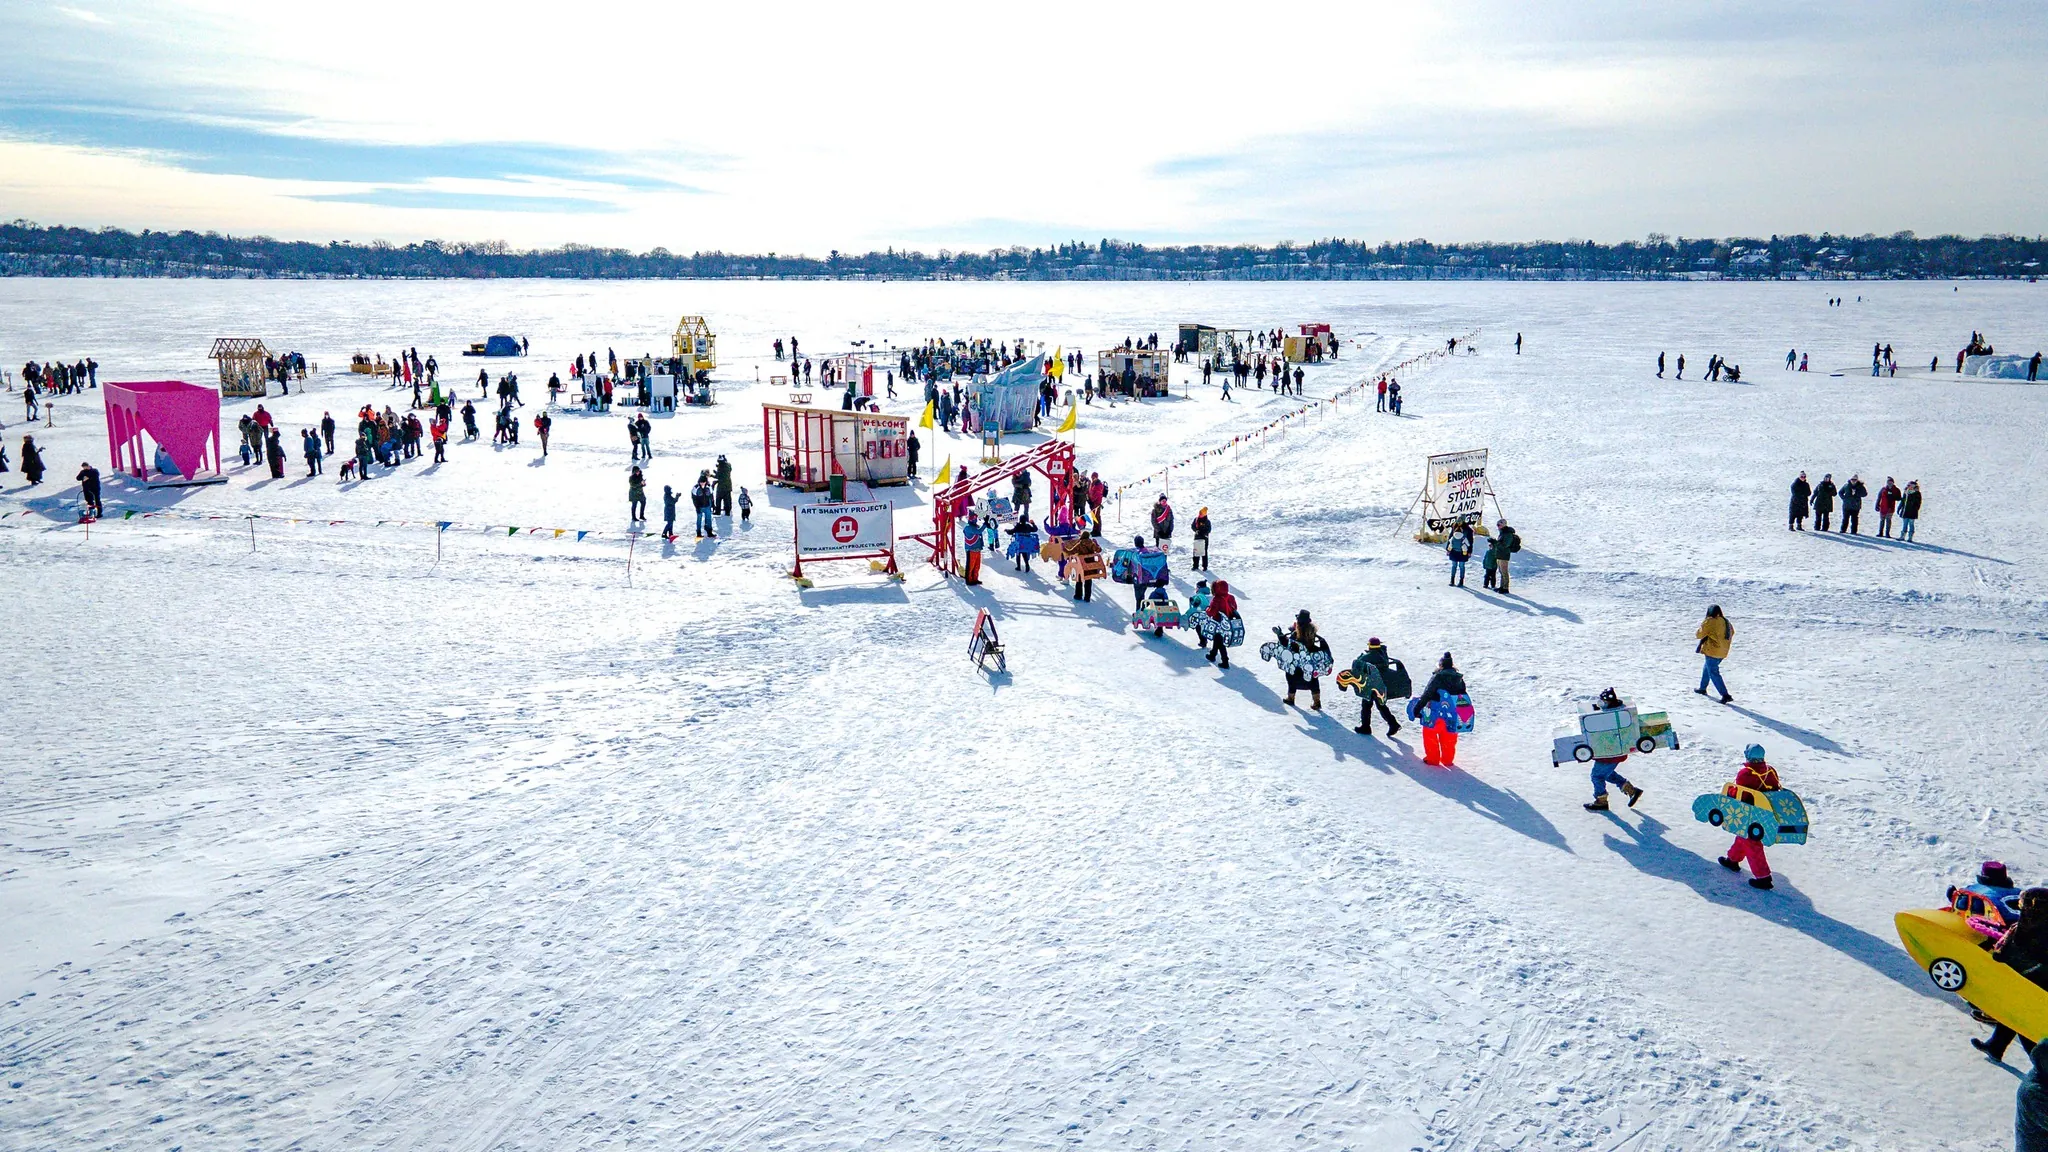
1754, 754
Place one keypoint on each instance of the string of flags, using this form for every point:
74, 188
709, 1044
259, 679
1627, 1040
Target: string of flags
125, 514
1309, 404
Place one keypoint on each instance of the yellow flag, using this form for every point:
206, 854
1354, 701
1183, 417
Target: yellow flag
1067, 425
925, 421
945, 473
1059, 364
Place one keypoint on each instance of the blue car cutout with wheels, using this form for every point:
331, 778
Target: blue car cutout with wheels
1772, 817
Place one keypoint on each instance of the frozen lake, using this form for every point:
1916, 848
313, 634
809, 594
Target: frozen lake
325, 843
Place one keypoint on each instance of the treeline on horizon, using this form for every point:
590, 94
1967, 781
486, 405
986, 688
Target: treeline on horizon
28, 249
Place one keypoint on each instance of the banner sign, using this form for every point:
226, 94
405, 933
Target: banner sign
1456, 489
827, 530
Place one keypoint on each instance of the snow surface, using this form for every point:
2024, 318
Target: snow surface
329, 845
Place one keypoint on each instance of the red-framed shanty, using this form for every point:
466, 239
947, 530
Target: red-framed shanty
820, 443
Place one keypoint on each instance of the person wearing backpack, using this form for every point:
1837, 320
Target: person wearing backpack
1507, 542
1371, 673
1439, 739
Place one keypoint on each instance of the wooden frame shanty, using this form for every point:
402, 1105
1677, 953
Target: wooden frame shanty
241, 365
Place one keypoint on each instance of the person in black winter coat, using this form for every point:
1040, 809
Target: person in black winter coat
1200, 526
31, 461
89, 488
2030, 1118
1823, 502
1853, 494
1802, 497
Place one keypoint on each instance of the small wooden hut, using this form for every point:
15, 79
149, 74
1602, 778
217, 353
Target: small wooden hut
241, 365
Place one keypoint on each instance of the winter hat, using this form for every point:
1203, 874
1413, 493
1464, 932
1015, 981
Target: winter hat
1992, 874
1204, 512
1445, 662
1754, 754
1372, 642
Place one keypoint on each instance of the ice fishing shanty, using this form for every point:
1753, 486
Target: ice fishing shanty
1206, 341
806, 448
696, 348
241, 365
1135, 372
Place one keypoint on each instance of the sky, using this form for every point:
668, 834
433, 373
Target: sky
804, 128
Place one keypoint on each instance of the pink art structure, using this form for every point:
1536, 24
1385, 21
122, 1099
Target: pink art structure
183, 419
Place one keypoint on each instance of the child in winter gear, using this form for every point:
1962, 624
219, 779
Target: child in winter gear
1714, 635
1760, 776
1604, 769
1439, 742
746, 507
1222, 610
1200, 526
1459, 548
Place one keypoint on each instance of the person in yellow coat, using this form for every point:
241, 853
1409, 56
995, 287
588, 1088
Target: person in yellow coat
1715, 634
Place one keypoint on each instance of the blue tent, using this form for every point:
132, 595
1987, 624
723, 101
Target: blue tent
1009, 399
501, 346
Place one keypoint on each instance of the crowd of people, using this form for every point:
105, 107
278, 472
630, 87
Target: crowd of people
1897, 508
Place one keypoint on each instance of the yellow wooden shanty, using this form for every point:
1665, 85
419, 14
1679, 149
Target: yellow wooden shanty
696, 347
241, 365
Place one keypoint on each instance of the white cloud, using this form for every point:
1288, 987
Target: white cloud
815, 126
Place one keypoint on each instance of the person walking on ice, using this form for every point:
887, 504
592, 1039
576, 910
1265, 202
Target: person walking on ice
1200, 526
1714, 634
1909, 510
1802, 495
1439, 739
1757, 775
1605, 768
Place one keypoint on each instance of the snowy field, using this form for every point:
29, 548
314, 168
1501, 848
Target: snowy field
324, 844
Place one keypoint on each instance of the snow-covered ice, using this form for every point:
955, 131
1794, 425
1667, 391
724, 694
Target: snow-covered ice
325, 844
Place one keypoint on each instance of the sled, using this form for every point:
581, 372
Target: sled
985, 645
999, 508
1022, 544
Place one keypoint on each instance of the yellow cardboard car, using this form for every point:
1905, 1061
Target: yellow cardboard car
1958, 959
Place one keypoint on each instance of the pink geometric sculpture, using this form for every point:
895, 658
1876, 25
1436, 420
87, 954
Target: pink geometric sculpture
182, 418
